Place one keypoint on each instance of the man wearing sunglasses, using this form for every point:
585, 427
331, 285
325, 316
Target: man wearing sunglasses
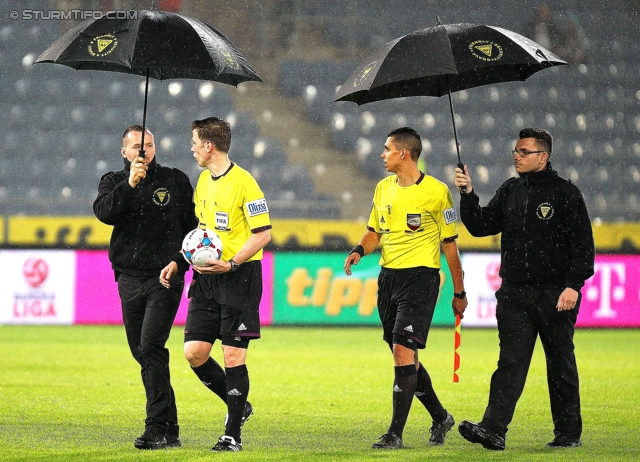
547, 252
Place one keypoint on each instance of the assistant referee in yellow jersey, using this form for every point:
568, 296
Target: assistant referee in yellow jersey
412, 215
225, 298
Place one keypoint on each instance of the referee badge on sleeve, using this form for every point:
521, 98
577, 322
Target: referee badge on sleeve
450, 215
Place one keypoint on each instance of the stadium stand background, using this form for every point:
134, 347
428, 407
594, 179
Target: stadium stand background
60, 129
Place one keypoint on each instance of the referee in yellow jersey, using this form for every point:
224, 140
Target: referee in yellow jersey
225, 298
412, 215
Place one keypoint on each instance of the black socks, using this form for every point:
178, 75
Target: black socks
213, 377
404, 386
427, 396
237, 392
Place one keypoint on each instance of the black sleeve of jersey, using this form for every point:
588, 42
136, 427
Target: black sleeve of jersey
114, 198
581, 244
481, 221
188, 219
183, 265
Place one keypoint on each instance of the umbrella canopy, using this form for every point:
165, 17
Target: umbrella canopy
443, 59
166, 45
154, 44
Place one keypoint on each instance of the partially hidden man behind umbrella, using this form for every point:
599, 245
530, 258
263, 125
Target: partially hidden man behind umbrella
412, 216
547, 253
151, 210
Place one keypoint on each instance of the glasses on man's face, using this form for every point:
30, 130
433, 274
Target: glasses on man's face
525, 153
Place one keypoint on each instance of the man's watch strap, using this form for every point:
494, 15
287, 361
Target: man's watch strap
461, 295
234, 265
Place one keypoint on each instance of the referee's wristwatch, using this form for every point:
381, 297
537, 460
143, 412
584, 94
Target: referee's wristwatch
461, 295
234, 265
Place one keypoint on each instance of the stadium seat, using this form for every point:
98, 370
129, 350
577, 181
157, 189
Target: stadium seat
317, 101
268, 150
608, 152
344, 130
294, 178
267, 176
243, 124
297, 74
216, 96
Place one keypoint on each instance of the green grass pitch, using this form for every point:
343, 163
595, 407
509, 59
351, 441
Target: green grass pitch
74, 394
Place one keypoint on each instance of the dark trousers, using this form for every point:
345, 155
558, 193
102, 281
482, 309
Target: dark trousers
148, 312
523, 313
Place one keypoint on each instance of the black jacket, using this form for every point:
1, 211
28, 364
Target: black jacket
546, 231
149, 221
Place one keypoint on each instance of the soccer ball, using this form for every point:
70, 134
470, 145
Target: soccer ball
201, 245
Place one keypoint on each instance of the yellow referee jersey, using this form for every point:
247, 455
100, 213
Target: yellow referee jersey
233, 205
413, 221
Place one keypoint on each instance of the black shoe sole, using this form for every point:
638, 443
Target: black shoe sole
564, 446
395, 444
174, 444
469, 435
387, 447
146, 446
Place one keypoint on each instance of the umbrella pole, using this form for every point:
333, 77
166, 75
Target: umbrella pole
455, 132
144, 116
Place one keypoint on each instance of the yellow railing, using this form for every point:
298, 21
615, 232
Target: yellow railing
73, 231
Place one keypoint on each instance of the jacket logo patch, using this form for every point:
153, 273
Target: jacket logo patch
545, 211
161, 196
414, 220
450, 215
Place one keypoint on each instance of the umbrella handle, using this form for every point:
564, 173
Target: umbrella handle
463, 189
141, 152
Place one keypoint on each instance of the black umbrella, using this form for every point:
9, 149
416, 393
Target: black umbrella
442, 59
154, 44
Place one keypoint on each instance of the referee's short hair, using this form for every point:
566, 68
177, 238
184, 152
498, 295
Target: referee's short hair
215, 130
409, 139
544, 138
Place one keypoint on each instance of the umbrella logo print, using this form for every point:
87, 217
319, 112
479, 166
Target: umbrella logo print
230, 60
103, 45
367, 70
485, 50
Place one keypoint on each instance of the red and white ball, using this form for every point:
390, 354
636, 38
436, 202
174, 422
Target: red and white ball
201, 245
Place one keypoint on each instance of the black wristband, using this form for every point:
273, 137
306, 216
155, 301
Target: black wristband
358, 249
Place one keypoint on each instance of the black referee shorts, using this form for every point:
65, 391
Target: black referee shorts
406, 302
226, 307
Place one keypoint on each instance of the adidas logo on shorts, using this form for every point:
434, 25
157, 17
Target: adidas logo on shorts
409, 328
242, 327
234, 392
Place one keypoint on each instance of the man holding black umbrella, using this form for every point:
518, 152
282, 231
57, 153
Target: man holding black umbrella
412, 215
151, 210
547, 254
